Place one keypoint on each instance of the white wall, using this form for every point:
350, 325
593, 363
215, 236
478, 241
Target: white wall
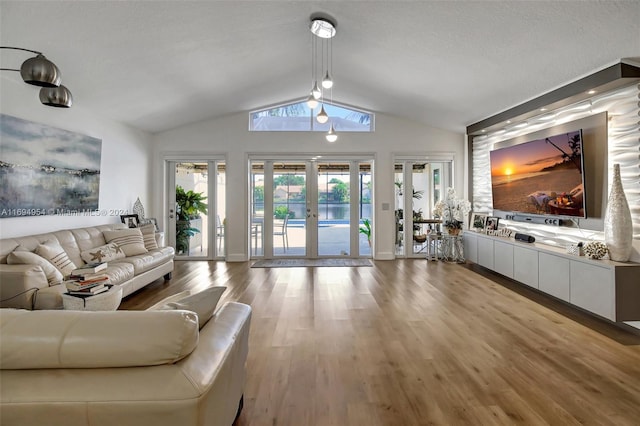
230, 136
125, 163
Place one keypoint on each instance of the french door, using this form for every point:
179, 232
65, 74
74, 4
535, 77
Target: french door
420, 182
196, 208
309, 207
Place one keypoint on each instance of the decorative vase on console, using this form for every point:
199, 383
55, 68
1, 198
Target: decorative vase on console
618, 227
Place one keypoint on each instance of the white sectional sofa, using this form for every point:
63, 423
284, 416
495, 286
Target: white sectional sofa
136, 368
30, 286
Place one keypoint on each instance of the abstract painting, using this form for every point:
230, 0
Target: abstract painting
45, 170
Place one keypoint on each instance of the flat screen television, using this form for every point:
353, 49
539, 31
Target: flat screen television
540, 177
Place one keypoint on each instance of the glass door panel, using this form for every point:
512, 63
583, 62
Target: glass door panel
289, 209
192, 208
419, 206
256, 228
221, 208
333, 209
365, 212
399, 208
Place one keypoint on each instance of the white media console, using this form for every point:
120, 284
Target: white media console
605, 288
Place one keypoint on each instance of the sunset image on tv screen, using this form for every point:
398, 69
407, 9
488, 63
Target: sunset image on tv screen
544, 176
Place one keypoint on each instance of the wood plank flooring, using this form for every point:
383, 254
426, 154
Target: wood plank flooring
411, 342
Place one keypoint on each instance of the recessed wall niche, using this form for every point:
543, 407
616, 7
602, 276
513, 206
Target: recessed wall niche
611, 135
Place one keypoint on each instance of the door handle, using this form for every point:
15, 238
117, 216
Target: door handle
170, 216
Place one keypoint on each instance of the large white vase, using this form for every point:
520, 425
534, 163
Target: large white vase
618, 227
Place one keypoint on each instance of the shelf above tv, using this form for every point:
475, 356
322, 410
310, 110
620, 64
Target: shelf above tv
619, 75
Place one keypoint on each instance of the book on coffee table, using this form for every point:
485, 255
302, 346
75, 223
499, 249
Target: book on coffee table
90, 268
75, 285
91, 291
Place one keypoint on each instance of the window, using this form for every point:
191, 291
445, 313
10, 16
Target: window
297, 117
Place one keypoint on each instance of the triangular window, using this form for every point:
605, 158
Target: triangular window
297, 117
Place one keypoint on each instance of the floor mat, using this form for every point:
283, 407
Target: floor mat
295, 263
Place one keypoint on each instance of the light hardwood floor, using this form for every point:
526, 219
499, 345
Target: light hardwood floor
412, 342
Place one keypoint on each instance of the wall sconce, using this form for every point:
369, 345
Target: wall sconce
39, 71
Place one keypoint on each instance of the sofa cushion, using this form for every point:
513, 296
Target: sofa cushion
54, 253
79, 339
202, 303
149, 236
129, 240
20, 257
172, 298
7, 246
119, 272
149, 260
19, 284
106, 253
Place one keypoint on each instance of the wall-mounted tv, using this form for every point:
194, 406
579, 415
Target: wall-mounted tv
543, 177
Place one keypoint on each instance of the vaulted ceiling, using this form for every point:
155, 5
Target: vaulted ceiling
157, 65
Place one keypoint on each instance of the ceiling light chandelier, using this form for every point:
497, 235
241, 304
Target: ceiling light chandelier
39, 71
324, 29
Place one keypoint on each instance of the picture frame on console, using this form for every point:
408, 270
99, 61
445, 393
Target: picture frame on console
131, 220
477, 221
491, 223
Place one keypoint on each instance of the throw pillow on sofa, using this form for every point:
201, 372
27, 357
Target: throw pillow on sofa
20, 257
105, 253
54, 253
129, 240
174, 298
149, 236
203, 303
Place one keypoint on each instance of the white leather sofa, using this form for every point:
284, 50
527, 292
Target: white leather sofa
122, 368
26, 286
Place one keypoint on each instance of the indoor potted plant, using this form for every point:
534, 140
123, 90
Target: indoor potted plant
365, 229
189, 206
453, 211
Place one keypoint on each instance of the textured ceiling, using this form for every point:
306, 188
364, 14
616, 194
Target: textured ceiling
156, 65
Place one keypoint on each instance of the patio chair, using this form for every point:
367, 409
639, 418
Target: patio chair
280, 228
219, 232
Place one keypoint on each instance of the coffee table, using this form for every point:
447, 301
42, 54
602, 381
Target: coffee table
105, 301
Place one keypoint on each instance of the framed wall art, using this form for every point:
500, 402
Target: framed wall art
45, 170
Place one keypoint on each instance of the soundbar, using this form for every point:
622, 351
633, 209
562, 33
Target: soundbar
536, 219
525, 238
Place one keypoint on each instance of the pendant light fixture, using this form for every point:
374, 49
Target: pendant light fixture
324, 29
59, 97
312, 102
327, 81
316, 93
39, 71
332, 136
322, 116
